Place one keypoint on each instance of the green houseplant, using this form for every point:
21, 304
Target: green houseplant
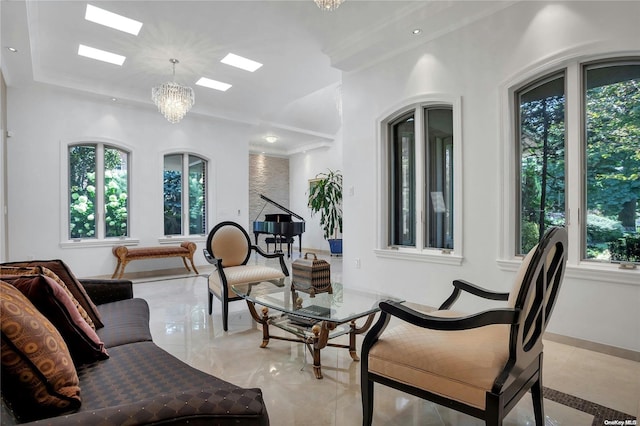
325, 197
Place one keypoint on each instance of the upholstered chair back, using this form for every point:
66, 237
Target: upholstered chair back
231, 244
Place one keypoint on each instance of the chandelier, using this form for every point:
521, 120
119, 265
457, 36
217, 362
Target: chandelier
328, 5
172, 99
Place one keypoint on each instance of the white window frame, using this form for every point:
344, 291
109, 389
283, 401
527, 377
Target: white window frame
185, 153
100, 240
419, 252
574, 163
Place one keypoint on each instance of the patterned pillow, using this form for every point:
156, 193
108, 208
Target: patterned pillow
37, 270
38, 376
62, 270
54, 303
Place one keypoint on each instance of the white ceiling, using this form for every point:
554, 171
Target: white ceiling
304, 50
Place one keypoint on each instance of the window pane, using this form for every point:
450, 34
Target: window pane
82, 191
173, 194
402, 180
541, 143
116, 189
439, 170
197, 201
612, 116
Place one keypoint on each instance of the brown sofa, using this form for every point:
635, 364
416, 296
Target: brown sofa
129, 380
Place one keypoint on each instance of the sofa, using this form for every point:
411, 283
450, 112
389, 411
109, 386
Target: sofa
97, 364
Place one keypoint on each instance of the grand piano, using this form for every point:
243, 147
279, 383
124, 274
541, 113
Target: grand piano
279, 225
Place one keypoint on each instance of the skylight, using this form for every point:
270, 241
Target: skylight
213, 84
112, 20
240, 62
100, 55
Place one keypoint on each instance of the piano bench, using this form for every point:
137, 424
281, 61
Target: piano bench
279, 240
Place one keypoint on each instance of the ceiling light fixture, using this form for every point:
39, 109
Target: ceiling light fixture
213, 84
240, 62
100, 55
12, 49
270, 139
172, 99
328, 5
112, 20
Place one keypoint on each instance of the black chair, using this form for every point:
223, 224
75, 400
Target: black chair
229, 249
480, 364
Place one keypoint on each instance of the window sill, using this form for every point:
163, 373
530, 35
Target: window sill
430, 256
600, 272
109, 242
180, 238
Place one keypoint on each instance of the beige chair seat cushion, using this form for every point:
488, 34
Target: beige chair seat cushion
243, 274
461, 363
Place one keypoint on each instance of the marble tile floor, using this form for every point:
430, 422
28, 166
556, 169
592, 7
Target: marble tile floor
181, 325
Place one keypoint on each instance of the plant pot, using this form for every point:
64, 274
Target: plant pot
335, 245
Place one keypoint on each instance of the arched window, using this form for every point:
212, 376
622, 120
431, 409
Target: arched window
578, 161
184, 189
420, 181
98, 191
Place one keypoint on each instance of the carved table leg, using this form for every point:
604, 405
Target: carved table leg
352, 335
320, 339
264, 320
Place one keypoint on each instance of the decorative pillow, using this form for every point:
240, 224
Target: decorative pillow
37, 270
54, 303
62, 270
38, 376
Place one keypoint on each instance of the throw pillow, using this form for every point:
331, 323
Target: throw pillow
36, 270
54, 303
62, 270
38, 376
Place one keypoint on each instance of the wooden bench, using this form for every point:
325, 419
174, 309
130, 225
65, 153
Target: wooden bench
125, 255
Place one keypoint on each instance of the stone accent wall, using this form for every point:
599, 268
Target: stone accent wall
268, 176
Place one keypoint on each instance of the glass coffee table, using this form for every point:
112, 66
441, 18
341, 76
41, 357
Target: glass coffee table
312, 320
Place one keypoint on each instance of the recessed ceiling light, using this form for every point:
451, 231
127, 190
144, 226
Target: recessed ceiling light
12, 49
213, 84
416, 31
240, 62
112, 20
100, 55
270, 139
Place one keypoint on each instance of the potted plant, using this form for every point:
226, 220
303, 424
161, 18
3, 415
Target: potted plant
325, 196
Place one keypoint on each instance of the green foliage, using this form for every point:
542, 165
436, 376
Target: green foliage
625, 249
530, 236
325, 196
82, 203
172, 202
601, 229
196, 203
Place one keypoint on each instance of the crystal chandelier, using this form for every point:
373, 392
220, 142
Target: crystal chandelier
328, 5
172, 99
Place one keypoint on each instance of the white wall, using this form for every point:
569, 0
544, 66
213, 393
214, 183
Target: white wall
42, 118
305, 166
474, 63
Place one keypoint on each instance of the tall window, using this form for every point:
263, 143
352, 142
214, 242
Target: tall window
421, 178
402, 176
541, 135
98, 191
606, 139
439, 172
184, 198
612, 152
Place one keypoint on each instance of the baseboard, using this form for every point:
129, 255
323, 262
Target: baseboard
593, 346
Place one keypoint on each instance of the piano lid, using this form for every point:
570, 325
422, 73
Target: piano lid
269, 200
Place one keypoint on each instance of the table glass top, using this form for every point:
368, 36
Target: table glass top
343, 305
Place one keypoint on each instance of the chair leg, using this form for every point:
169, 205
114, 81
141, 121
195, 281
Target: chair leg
225, 315
538, 407
367, 400
210, 302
